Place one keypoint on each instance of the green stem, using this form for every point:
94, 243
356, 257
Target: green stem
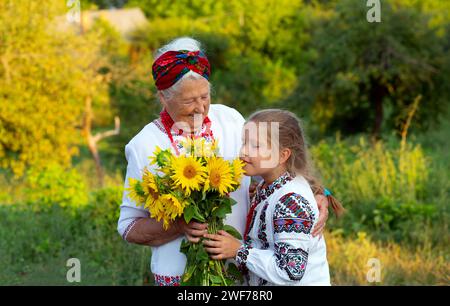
218, 264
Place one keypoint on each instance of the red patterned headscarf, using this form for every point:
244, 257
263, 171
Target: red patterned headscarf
172, 65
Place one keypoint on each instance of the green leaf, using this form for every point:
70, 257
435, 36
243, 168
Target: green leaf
232, 231
233, 271
197, 215
189, 272
215, 279
222, 210
185, 246
232, 201
202, 255
189, 213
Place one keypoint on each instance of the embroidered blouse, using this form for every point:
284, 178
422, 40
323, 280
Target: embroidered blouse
278, 247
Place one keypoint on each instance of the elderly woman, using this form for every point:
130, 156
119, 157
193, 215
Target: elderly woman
181, 72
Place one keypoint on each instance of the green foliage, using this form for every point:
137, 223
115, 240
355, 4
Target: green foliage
37, 88
366, 73
55, 185
45, 77
200, 268
255, 48
387, 190
180, 8
34, 246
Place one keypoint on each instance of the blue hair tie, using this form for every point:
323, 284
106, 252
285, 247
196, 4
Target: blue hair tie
326, 192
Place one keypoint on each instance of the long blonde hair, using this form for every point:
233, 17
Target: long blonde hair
291, 136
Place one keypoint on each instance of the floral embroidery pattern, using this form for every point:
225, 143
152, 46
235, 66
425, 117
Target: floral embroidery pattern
263, 194
262, 235
293, 213
291, 260
163, 280
178, 138
241, 257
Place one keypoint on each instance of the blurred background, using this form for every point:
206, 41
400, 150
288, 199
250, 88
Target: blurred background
76, 86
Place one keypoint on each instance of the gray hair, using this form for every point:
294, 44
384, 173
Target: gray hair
178, 44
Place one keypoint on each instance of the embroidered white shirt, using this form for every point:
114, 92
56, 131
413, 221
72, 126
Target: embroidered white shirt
226, 125
279, 248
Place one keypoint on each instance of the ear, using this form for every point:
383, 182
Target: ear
284, 155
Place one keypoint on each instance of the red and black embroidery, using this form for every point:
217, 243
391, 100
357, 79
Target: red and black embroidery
261, 195
265, 193
293, 214
164, 280
166, 125
242, 256
262, 231
291, 260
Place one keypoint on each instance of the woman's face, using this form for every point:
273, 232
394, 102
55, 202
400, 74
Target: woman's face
189, 107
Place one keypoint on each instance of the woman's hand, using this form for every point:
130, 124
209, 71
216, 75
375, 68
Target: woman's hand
222, 245
322, 203
193, 230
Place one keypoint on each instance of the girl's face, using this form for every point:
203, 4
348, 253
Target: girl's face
259, 152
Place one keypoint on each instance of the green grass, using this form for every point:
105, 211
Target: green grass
36, 243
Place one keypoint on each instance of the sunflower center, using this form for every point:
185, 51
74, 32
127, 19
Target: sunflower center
215, 179
154, 194
189, 172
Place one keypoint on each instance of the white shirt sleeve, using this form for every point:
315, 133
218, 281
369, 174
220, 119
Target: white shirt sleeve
286, 261
129, 212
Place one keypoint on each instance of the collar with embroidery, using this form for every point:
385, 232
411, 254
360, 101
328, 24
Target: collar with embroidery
166, 124
169, 125
263, 193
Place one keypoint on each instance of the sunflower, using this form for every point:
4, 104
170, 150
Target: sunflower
219, 177
202, 148
135, 191
188, 173
199, 147
173, 206
237, 170
167, 208
161, 157
150, 188
157, 210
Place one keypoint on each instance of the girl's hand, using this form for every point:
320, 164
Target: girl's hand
221, 246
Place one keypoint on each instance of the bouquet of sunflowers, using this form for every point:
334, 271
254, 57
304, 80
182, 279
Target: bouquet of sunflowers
196, 186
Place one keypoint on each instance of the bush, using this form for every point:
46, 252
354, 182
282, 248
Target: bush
55, 185
384, 188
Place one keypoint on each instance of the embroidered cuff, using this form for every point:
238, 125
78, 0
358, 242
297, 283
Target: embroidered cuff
128, 229
241, 257
291, 260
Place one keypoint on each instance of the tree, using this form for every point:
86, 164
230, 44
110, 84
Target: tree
255, 47
46, 77
39, 105
368, 74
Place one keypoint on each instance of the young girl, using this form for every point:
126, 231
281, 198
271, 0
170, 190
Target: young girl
278, 248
